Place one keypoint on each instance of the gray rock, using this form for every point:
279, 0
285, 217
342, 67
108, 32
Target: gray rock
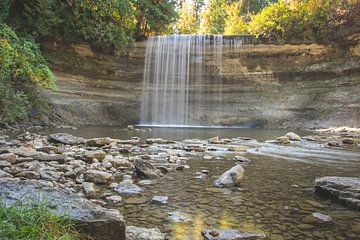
136, 233
91, 219
90, 156
24, 151
65, 138
160, 199
98, 142
9, 157
89, 189
29, 174
343, 189
41, 156
113, 199
4, 164
293, 136
179, 217
4, 174
127, 187
241, 159
97, 176
49, 175
230, 234
230, 178
146, 170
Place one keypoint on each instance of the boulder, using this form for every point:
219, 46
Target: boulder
343, 189
24, 151
41, 156
348, 141
65, 138
98, 142
136, 233
4, 174
90, 156
146, 170
97, 176
293, 136
230, 234
282, 140
89, 189
9, 157
97, 222
4, 164
231, 177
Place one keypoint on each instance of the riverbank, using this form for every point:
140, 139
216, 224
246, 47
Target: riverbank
168, 184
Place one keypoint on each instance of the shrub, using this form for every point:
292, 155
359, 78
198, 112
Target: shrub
23, 71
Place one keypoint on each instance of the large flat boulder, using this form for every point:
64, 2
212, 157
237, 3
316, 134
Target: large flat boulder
344, 189
65, 138
97, 222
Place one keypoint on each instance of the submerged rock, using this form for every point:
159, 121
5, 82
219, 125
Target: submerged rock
127, 187
91, 219
160, 199
241, 159
230, 178
146, 170
136, 233
344, 189
179, 217
230, 234
65, 138
317, 218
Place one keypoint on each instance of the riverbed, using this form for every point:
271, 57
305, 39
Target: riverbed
275, 197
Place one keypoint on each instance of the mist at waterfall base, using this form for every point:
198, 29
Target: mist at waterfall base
177, 70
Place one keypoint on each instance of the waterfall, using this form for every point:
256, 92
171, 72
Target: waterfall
177, 68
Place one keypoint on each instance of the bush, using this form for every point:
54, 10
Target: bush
23, 71
34, 222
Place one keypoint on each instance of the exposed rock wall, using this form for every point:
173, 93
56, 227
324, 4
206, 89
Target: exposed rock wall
299, 86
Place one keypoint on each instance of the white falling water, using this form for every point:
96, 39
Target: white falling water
176, 69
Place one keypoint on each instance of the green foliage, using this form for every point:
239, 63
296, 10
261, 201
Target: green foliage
154, 17
99, 22
188, 22
299, 20
234, 22
23, 70
214, 17
34, 222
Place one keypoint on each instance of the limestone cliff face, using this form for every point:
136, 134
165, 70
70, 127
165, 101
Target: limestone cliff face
300, 86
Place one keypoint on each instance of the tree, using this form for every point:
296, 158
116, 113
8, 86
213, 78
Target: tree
153, 17
188, 22
234, 22
213, 17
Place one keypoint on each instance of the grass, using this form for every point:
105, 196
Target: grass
34, 222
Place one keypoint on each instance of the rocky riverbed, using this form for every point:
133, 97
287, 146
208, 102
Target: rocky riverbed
183, 187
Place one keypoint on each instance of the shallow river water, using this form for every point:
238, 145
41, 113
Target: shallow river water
275, 196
